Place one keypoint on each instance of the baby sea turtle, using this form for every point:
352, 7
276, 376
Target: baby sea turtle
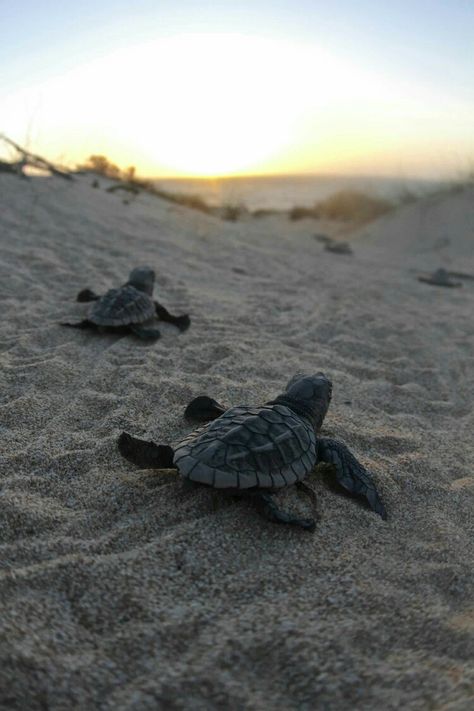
125, 310
257, 450
338, 247
440, 277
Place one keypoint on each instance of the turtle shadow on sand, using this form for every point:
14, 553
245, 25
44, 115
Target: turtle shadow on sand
127, 308
255, 451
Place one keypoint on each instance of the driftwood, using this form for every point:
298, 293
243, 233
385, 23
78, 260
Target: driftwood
16, 168
129, 187
30, 159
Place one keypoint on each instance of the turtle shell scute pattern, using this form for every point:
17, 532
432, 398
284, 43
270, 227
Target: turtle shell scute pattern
121, 307
267, 447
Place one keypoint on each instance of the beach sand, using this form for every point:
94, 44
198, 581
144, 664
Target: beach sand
120, 589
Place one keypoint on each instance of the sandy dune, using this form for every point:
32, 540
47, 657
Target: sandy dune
119, 589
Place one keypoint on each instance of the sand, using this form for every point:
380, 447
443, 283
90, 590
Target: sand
120, 589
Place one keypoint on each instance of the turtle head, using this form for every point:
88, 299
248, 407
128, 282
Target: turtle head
143, 279
308, 395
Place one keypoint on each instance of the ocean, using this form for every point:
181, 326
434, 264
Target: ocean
283, 192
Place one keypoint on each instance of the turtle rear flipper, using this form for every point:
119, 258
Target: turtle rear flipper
269, 510
146, 455
350, 473
182, 322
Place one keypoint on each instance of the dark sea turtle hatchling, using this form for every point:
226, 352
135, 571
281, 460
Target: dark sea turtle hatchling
257, 450
126, 309
338, 247
440, 277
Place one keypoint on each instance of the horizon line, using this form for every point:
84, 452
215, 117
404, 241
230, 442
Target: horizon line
246, 176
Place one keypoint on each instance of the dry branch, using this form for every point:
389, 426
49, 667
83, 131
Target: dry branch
30, 159
16, 168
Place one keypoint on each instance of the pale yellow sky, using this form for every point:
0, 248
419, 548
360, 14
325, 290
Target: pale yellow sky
230, 103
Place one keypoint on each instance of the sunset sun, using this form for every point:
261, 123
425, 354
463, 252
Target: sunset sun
223, 112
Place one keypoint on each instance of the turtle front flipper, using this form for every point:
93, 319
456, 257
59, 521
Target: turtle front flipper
146, 334
182, 322
87, 295
269, 510
81, 324
146, 455
204, 409
350, 473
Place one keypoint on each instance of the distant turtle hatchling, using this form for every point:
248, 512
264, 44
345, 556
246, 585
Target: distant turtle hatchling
126, 309
255, 451
338, 247
440, 277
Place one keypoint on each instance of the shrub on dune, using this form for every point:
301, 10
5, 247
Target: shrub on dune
345, 206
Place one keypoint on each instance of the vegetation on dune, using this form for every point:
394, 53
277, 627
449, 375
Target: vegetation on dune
267, 212
345, 206
102, 166
195, 202
128, 181
350, 206
300, 213
232, 211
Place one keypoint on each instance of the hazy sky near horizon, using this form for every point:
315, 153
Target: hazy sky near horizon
198, 87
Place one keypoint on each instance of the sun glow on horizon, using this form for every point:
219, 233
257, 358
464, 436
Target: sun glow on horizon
205, 105
215, 104
217, 108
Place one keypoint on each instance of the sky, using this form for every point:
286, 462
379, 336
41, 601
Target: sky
216, 88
